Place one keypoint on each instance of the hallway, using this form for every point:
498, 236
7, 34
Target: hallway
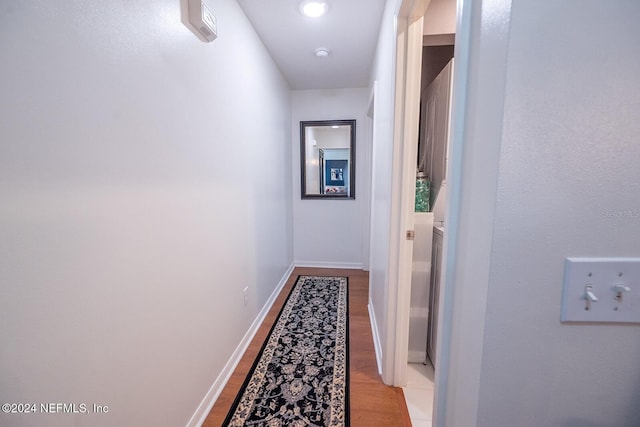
371, 402
152, 209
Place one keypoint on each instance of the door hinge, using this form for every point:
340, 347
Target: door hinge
410, 234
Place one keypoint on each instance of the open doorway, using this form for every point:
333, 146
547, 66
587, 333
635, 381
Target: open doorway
477, 109
429, 228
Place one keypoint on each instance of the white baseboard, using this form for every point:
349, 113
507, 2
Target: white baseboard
376, 336
321, 264
417, 356
212, 395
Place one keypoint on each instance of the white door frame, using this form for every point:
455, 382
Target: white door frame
474, 153
405, 152
369, 162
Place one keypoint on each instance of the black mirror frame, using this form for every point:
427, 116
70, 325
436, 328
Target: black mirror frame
352, 169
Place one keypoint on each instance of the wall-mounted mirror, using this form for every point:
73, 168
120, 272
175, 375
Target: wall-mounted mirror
327, 159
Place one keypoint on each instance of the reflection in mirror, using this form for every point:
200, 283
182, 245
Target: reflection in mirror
327, 159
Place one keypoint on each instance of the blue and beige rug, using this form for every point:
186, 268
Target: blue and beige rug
301, 375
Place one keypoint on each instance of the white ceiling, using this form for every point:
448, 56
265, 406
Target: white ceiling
349, 30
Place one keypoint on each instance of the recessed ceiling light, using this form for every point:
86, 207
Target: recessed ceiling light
322, 52
314, 8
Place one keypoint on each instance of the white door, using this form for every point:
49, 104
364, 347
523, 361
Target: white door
436, 117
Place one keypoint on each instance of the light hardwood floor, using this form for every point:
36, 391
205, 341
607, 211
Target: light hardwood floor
372, 403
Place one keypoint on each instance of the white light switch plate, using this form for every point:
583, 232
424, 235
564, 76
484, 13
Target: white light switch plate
615, 282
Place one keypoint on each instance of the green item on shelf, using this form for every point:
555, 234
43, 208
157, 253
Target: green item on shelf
422, 193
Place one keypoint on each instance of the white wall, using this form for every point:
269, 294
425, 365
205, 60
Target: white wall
440, 17
568, 185
328, 137
312, 162
329, 232
127, 229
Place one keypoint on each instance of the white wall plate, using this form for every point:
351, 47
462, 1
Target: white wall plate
203, 20
601, 290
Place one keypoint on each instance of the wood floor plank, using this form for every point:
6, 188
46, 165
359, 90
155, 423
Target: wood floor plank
372, 403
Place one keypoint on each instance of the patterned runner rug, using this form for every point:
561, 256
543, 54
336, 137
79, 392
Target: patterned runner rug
300, 377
